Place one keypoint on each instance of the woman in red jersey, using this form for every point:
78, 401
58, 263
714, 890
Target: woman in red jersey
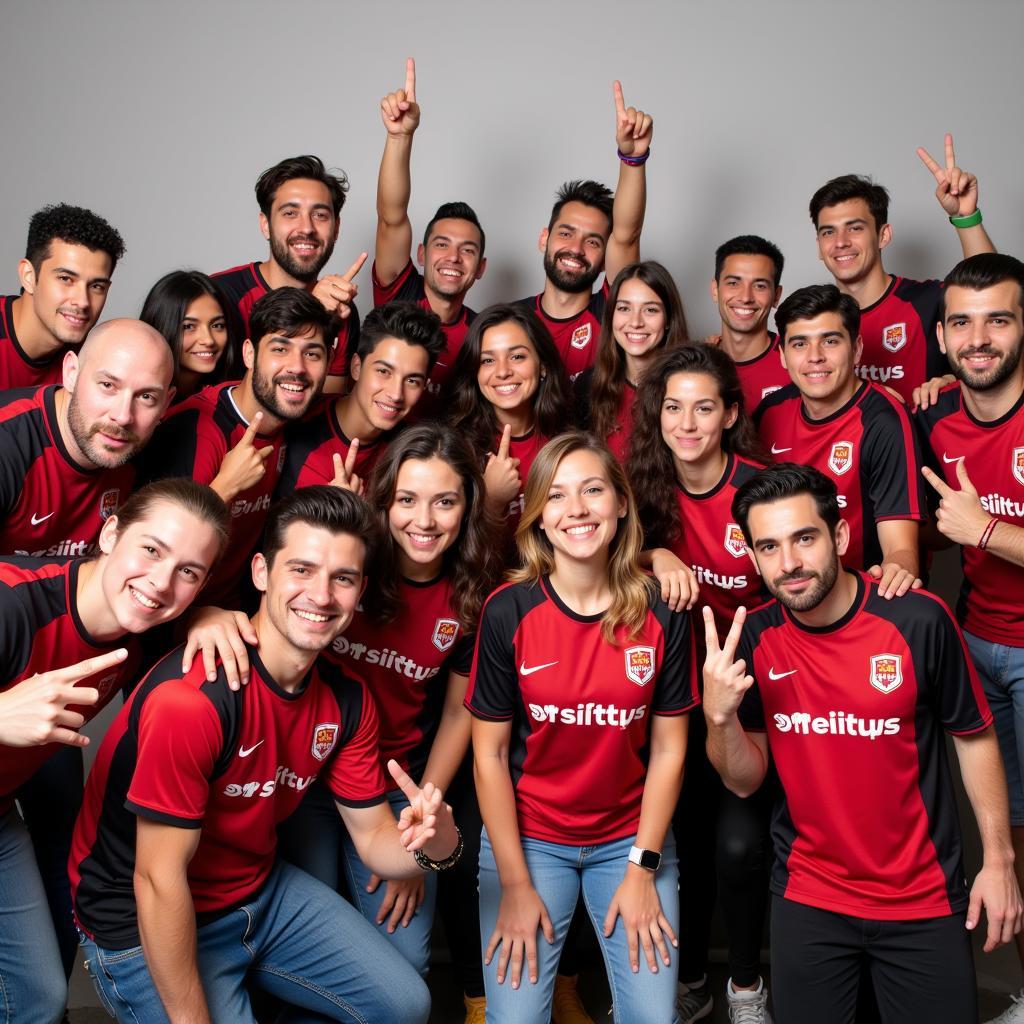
581, 679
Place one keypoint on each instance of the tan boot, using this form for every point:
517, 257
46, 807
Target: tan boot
476, 1009
566, 1007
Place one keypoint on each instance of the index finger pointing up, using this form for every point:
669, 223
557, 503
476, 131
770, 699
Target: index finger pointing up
620, 103
355, 268
90, 666
405, 784
506, 442
950, 158
410, 80
939, 484
732, 641
710, 630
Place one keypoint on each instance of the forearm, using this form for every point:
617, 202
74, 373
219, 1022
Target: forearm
1007, 542
735, 756
985, 782
381, 850
905, 558
498, 810
975, 240
449, 747
628, 209
661, 792
394, 186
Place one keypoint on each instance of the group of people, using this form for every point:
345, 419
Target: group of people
549, 618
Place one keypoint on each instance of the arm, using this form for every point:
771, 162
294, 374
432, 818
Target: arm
898, 571
679, 588
167, 920
633, 132
452, 739
995, 887
401, 116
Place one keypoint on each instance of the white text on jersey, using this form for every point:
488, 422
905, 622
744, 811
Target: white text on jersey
587, 714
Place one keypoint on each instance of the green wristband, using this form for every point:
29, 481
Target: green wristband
970, 221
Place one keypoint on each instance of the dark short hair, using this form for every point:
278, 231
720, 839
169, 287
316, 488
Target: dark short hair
325, 508
749, 245
300, 167
74, 225
852, 186
807, 303
289, 312
406, 321
590, 193
455, 211
781, 481
984, 271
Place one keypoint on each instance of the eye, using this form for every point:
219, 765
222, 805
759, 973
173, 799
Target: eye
150, 550
190, 574
446, 502
218, 325
404, 500
314, 355
148, 397
107, 385
766, 549
344, 579
555, 496
288, 213
671, 407
100, 287
652, 310
594, 489
300, 570
383, 371
187, 326
322, 215
278, 350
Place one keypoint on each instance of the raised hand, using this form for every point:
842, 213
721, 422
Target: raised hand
426, 824
243, 466
957, 189
335, 292
35, 711
633, 128
345, 470
725, 679
399, 110
960, 515
501, 475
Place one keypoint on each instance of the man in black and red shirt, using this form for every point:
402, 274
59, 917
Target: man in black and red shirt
175, 878
65, 276
854, 432
851, 694
590, 231
300, 215
898, 316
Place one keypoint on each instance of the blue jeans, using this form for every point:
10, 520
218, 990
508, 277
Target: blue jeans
1001, 670
297, 940
558, 873
33, 989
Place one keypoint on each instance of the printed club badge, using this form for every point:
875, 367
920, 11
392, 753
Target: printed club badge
894, 337
840, 459
1018, 465
640, 665
109, 503
734, 542
581, 336
886, 672
325, 735
445, 633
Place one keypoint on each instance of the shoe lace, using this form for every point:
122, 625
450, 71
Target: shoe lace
689, 1003
1013, 1013
750, 1011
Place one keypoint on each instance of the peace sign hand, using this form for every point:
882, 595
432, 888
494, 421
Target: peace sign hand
960, 515
633, 128
957, 190
427, 823
725, 679
345, 472
399, 110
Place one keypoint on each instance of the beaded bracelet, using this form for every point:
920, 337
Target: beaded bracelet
440, 865
633, 161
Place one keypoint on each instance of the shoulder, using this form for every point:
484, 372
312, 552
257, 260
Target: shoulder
947, 404
916, 608
788, 395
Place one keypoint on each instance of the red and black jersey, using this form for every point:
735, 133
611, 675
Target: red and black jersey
579, 707
854, 712
41, 630
525, 449
992, 596
192, 441
311, 444
405, 665
576, 336
17, 368
195, 754
901, 349
712, 544
868, 448
245, 284
762, 375
618, 439
49, 505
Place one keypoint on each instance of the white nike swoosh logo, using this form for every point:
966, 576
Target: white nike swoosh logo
946, 458
242, 752
779, 451
36, 520
772, 674
524, 671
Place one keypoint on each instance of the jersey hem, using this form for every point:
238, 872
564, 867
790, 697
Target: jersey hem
873, 913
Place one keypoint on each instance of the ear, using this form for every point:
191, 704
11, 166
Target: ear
732, 414
27, 276
884, 236
355, 366
337, 229
858, 350
259, 572
481, 267
421, 254
108, 535
778, 297
362, 587
714, 291
842, 537
942, 340
248, 354
782, 353
542, 242
264, 226
69, 371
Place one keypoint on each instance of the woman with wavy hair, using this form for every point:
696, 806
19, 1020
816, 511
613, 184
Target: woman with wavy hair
643, 316
581, 681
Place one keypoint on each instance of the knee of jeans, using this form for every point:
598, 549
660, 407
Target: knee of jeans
411, 1003
43, 992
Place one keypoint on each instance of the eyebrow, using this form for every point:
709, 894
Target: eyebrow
740, 277
501, 348
803, 531
440, 494
295, 204
448, 238
573, 227
163, 546
117, 380
852, 220
703, 398
391, 366
75, 273
815, 334
1005, 313
306, 563
582, 483
283, 339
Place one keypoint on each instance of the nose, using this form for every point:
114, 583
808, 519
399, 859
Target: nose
747, 292
575, 506
80, 294
502, 367
161, 574
120, 409
688, 420
318, 590
790, 561
424, 517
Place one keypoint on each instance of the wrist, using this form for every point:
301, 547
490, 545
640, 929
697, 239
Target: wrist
633, 161
432, 856
986, 534
970, 220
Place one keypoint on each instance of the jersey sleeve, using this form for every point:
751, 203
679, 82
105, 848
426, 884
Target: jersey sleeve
460, 660
751, 710
493, 682
16, 633
354, 775
959, 698
892, 461
404, 288
676, 689
180, 740
348, 342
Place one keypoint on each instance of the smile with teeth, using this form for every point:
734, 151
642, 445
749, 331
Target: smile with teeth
311, 616
422, 540
506, 389
74, 318
292, 386
387, 408
582, 530
140, 598
571, 264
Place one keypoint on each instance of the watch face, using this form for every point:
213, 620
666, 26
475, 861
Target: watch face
651, 860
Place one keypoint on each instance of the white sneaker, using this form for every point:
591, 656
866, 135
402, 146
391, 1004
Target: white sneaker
1013, 1014
751, 1007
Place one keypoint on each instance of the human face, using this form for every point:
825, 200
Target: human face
510, 372
302, 228
451, 258
574, 247
204, 335
983, 334
795, 552
287, 373
820, 357
745, 292
154, 568
311, 589
389, 381
581, 515
68, 293
638, 320
426, 515
694, 417
850, 244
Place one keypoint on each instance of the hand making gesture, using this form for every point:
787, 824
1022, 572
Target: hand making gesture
633, 128
501, 475
957, 190
399, 110
960, 515
726, 680
345, 470
244, 465
335, 292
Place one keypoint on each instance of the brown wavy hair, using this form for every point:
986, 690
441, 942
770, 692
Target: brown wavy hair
650, 466
472, 563
609, 380
631, 587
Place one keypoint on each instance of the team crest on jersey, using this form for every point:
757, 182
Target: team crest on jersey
765, 392
640, 665
280, 457
734, 542
325, 735
894, 337
445, 633
1017, 463
886, 672
840, 459
109, 503
581, 336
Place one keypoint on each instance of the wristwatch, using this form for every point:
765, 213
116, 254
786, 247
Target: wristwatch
649, 859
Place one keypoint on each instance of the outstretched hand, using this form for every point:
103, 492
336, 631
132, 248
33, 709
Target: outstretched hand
399, 110
957, 189
960, 515
633, 128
